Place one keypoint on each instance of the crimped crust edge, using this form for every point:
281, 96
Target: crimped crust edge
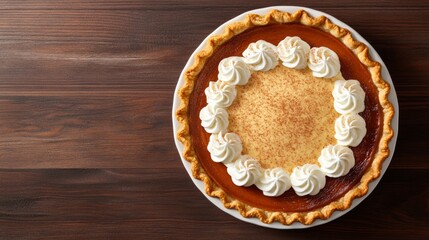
358, 48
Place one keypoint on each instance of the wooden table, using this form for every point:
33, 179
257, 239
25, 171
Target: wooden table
86, 140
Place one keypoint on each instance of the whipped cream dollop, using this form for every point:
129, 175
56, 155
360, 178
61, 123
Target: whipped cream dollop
214, 119
234, 71
274, 182
336, 161
245, 171
348, 97
224, 148
261, 56
324, 62
220, 94
293, 52
307, 179
350, 129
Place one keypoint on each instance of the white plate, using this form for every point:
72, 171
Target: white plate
392, 97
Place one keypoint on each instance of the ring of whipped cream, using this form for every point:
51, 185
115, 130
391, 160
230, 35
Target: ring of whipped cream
226, 147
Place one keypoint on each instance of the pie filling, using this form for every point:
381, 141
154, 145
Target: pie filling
294, 53
335, 186
271, 118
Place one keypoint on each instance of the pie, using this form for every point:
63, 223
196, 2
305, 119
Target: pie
285, 117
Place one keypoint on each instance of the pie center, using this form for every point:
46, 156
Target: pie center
284, 127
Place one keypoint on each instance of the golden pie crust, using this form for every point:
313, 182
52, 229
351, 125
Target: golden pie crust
360, 50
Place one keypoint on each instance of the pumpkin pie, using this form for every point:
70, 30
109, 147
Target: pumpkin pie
285, 117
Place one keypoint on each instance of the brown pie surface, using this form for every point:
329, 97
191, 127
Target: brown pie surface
284, 126
285, 117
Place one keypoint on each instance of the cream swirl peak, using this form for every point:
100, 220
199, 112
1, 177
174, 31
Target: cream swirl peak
234, 71
348, 96
324, 62
350, 129
293, 52
307, 179
274, 182
226, 147
214, 119
220, 94
245, 171
336, 161
261, 56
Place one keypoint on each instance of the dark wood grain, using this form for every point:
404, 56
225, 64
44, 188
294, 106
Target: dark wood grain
106, 202
75, 130
86, 143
